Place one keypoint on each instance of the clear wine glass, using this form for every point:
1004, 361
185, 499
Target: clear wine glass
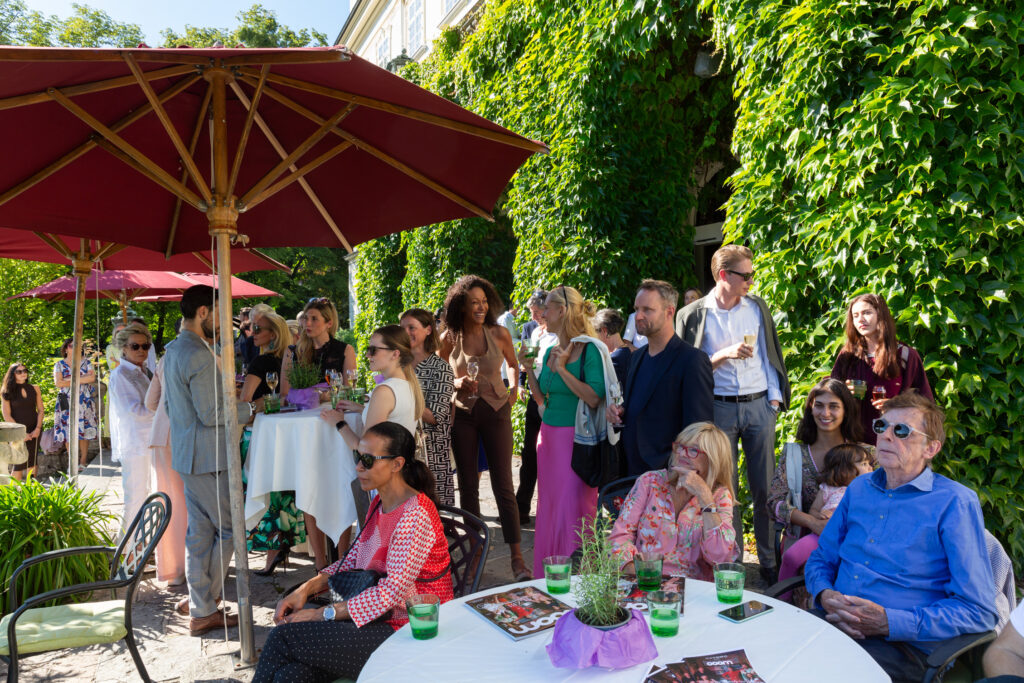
472, 370
272, 382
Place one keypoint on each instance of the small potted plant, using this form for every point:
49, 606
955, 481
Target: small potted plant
599, 631
304, 381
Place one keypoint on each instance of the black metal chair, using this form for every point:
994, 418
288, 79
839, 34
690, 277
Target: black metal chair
126, 567
469, 541
613, 493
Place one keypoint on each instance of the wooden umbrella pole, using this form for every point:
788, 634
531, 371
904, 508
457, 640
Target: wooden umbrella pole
81, 266
223, 221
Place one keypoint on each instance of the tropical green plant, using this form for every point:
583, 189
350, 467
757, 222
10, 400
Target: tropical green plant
304, 375
35, 519
882, 150
596, 590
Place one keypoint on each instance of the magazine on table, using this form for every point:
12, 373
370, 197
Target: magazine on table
519, 612
631, 597
721, 667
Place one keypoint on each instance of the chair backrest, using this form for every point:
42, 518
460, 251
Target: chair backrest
469, 541
1002, 571
613, 493
139, 542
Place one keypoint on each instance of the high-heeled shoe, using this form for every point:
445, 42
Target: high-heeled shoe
282, 556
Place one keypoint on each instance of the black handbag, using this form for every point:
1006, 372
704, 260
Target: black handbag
596, 464
62, 401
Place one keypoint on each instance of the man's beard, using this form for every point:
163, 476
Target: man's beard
649, 328
207, 326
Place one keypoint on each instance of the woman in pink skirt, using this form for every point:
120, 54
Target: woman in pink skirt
572, 374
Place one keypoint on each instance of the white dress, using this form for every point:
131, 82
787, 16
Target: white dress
404, 412
130, 425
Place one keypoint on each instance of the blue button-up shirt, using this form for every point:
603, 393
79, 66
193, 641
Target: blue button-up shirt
917, 550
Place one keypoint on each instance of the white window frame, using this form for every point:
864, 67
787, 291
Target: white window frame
417, 30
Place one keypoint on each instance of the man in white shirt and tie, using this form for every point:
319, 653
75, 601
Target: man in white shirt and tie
736, 330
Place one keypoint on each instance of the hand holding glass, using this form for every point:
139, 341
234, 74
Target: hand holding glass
472, 370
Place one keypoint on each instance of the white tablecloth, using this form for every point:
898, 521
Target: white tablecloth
786, 645
300, 452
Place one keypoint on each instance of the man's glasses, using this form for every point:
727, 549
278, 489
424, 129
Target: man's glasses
135, 347
367, 459
900, 430
372, 350
747, 277
689, 452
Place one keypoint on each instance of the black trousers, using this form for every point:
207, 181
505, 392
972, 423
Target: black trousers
528, 469
313, 651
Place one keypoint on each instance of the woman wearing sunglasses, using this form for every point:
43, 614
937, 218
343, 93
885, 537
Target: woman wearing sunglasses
23, 403
683, 512
86, 402
873, 363
130, 420
402, 536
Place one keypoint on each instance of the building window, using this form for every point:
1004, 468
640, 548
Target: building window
416, 35
449, 5
383, 50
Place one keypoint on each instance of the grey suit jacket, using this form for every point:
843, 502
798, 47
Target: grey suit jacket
190, 378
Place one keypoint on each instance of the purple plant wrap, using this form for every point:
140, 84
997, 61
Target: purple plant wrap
575, 645
306, 398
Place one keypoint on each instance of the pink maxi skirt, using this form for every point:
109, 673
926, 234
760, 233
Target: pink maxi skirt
564, 502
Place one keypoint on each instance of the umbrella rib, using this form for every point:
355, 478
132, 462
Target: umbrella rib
196, 131
153, 171
116, 152
294, 176
86, 146
56, 244
246, 129
384, 156
96, 86
276, 144
334, 54
305, 146
408, 112
172, 132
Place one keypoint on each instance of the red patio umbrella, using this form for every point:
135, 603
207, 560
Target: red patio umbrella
104, 144
240, 289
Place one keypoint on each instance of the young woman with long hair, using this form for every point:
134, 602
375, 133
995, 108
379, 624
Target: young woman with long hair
316, 344
872, 355
23, 403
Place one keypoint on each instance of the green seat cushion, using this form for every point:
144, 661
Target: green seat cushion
55, 628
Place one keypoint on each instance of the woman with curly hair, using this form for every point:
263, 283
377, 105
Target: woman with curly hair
475, 346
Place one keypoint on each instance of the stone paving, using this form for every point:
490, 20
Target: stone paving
171, 654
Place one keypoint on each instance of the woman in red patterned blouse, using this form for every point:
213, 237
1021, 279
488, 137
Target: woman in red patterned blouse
403, 537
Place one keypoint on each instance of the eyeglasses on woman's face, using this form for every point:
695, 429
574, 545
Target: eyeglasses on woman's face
21, 371
687, 451
367, 459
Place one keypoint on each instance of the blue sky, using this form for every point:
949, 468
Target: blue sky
326, 16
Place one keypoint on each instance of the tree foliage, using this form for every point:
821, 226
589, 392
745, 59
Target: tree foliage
86, 27
257, 27
881, 150
609, 86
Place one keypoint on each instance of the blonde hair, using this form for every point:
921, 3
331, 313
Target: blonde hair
713, 441
282, 334
578, 312
398, 339
727, 257
125, 333
330, 315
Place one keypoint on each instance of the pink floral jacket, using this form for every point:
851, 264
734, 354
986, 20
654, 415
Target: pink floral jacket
647, 523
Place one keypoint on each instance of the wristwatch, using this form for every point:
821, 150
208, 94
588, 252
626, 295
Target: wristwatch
329, 613
710, 508
339, 424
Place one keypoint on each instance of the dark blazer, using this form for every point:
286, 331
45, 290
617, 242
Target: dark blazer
683, 395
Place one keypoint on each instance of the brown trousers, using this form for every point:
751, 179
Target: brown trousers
494, 429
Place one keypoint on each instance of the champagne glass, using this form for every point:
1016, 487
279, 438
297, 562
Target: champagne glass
750, 339
472, 370
272, 382
350, 377
615, 394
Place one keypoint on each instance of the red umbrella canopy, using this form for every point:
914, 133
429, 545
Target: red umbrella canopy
111, 144
28, 246
240, 289
112, 284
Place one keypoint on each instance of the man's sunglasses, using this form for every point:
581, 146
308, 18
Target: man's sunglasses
367, 459
747, 277
899, 429
144, 346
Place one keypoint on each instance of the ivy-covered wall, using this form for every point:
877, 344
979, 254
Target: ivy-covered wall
609, 86
881, 150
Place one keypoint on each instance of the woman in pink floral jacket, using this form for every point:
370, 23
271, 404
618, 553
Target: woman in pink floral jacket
684, 511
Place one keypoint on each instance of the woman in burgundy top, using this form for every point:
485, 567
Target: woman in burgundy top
872, 354
403, 537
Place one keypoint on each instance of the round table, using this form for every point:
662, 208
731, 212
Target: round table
301, 452
786, 645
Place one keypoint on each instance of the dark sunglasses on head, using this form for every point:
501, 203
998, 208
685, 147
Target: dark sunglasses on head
747, 277
144, 346
372, 350
899, 429
319, 300
367, 459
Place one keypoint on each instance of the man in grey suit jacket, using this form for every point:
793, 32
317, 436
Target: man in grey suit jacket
735, 329
191, 383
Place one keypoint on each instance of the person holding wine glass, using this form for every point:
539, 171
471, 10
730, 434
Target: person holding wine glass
282, 526
874, 365
483, 407
535, 336
608, 324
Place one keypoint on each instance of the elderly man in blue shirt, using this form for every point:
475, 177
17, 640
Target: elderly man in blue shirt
902, 564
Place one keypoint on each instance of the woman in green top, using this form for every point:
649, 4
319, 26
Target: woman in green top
564, 502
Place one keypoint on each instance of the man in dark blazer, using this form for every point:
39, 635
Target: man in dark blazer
669, 384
